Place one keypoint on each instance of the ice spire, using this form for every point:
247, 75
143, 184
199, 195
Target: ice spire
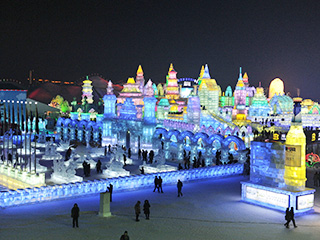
109, 88
206, 72
139, 71
240, 74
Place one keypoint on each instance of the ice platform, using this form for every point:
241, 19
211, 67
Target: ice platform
278, 198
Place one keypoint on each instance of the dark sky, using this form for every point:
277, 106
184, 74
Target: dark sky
65, 40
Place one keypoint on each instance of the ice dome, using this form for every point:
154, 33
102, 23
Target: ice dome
276, 87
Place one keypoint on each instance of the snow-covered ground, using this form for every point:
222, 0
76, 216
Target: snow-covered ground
209, 209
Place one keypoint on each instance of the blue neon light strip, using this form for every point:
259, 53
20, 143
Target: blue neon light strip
55, 192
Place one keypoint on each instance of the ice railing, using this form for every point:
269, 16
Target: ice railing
134, 182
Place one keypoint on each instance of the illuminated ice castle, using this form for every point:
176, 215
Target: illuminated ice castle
197, 106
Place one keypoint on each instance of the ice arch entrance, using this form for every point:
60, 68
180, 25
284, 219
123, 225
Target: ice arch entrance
195, 142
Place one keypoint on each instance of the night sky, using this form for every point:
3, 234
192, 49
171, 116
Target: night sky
66, 40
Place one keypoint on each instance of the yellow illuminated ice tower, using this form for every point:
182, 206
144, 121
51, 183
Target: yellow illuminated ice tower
295, 150
87, 90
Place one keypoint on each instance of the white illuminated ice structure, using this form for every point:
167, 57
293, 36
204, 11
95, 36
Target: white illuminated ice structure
50, 152
64, 172
14, 178
38, 145
158, 164
26, 151
132, 182
118, 156
115, 169
63, 146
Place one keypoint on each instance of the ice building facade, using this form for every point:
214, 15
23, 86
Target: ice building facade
183, 104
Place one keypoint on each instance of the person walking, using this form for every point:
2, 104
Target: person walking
156, 184
146, 209
137, 210
179, 186
75, 215
287, 218
292, 217
125, 236
160, 184
98, 166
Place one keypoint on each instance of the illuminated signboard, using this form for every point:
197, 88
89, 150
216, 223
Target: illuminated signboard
305, 201
273, 198
293, 156
187, 84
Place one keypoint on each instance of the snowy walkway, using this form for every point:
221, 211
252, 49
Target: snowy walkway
209, 209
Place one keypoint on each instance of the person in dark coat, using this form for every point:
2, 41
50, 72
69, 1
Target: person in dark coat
142, 170
156, 184
179, 186
137, 210
84, 165
292, 217
160, 184
98, 166
75, 215
287, 218
146, 209
124, 159
125, 236
151, 155
129, 152
110, 190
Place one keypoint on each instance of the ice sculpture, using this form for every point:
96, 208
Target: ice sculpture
63, 146
51, 151
64, 172
115, 169
158, 164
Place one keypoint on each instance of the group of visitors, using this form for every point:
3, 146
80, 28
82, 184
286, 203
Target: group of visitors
290, 217
146, 209
158, 184
144, 154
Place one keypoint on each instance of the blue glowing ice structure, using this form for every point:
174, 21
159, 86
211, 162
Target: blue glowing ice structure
128, 110
147, 138
193, 110
149, 110
55, 192
267, 187
267, 164
277, 198
109, 106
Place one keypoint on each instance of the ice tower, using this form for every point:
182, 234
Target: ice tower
87, 90
172, 90
109, 102
149, 104
295, 164
209, 92
140, 78
108, 137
